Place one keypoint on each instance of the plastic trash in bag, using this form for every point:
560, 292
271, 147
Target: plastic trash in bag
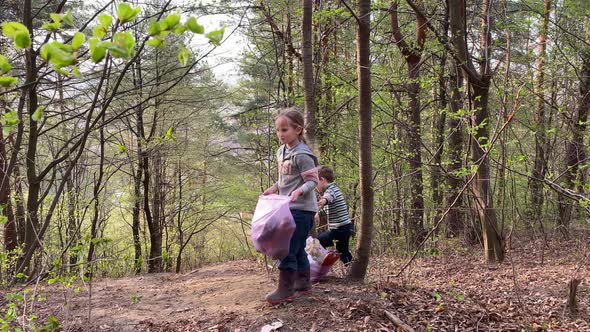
320, 259
272, 226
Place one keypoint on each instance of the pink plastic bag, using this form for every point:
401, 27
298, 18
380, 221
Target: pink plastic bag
272, 226
320, 259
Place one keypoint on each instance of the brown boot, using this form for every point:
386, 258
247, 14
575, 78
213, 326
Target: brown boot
303, 282
285, 291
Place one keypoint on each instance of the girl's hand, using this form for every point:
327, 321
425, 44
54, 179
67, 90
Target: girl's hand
271, 190
295, 194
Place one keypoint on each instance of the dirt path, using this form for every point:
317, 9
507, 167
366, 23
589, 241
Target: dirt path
226, 297
455, 291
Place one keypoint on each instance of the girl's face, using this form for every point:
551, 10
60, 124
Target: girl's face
286, 132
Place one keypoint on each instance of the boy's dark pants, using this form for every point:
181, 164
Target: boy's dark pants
296, 260
342, 235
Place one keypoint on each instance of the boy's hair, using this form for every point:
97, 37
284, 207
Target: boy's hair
326, 173
295, 119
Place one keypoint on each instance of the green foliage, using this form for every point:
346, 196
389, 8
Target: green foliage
192, 25
135, 299
216, 36
15, 316
123, 47
78, 40
7, 81
38, 114
5, 66
184, 56
126, 13
18, 33
9, 122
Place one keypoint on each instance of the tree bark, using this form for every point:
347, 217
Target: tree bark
34, 185
540, 164
575, 150
454, 219
479, 82
413, 57
10, 228
310, 112
363, 247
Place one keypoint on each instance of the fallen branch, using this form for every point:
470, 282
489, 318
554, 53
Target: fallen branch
398, 322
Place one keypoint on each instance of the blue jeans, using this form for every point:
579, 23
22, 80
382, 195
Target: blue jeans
296, 260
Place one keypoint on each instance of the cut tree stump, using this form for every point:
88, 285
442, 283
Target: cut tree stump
398, 322
572, 304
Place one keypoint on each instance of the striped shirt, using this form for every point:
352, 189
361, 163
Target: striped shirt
336, 208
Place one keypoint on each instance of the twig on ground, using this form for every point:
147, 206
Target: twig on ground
398, 322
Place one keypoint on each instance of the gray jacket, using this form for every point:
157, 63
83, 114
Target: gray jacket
298, 170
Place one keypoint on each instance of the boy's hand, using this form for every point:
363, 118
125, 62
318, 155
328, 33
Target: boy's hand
322, 202
295, 194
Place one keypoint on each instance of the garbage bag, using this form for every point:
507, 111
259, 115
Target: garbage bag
320, 259
272, 226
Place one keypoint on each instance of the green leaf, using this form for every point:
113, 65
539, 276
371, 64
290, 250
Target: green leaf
179, 30
38, 114
22, 40
124, 45
78, 40
58, 69
99, 32
118, 52
59, 54
193, 26
51, 27
216, 36
7, 81
122, 148
437, 296
76, 71
169, 135
5, 67
183, 56
126, 13
9, 29
68, 18
3, 220
154, 28
98, 53
57, 18
105, 20
171, 21
155, 42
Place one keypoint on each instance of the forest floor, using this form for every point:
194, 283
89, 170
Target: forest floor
453, 290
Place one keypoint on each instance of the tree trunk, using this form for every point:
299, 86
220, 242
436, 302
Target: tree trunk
479, 82
10, 228
575, 151
413, 57
454, 219
492, 241
540, 164
96, 197
363, 247
308, 79
440, 118
34, 185
179, 218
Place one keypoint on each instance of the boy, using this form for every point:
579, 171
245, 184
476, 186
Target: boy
334, 205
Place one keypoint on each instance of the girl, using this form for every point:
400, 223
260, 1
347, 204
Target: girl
298, 176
